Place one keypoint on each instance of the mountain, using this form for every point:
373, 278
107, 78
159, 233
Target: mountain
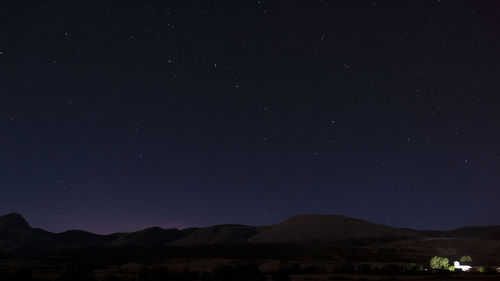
13, 222
16, 235
218, 234
79, 239
150, 237
479, 232
328, 229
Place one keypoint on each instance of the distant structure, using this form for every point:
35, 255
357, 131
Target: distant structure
462, 267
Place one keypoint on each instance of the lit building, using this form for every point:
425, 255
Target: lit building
462, 267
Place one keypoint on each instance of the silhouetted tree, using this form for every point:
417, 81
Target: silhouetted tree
465, 259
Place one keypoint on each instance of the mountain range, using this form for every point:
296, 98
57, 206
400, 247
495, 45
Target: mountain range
16, 235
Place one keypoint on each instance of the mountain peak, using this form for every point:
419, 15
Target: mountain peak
327, 229
13, 220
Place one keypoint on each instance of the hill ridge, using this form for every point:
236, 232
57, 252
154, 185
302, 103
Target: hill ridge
16, 234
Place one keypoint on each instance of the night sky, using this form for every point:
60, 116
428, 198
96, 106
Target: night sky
120, 115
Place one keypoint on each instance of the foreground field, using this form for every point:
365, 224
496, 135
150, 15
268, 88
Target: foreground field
355, 277
210, 269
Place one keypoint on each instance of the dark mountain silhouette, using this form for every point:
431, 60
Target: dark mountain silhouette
16, 235
491, 232
218, 234
150, 237
13, 222
79, 239
330, 228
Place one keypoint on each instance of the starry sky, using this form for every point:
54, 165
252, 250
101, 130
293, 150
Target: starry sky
120, 115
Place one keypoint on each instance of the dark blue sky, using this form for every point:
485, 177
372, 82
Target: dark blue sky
118, 115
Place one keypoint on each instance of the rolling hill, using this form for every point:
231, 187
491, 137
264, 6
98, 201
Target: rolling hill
328, 229
218, 234
16, 235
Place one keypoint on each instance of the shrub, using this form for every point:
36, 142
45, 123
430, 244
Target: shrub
411, 267
488, 269
393, 269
